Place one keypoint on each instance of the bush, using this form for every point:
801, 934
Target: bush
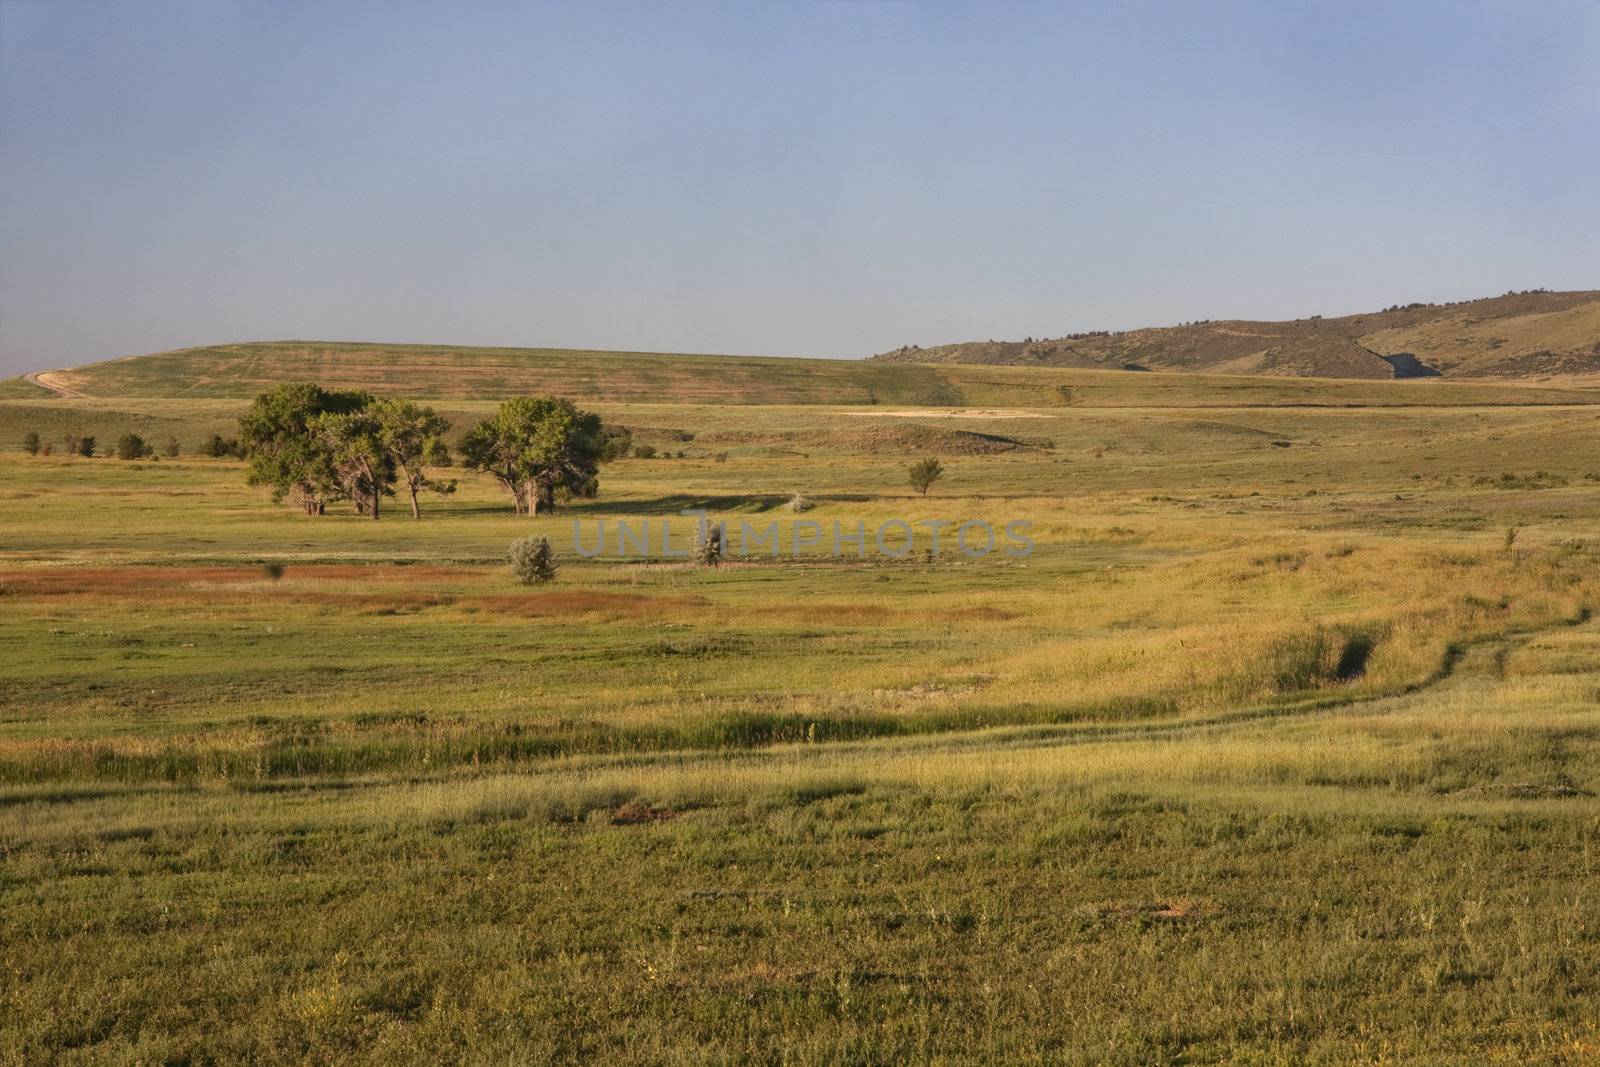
174, 450
83, 446
798, 504
30, 443
708, 546
924, 473
132, 446
532, 560
217, 447
619, 441
272, 569
644, 451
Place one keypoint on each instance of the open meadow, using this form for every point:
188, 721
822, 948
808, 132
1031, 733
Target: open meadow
1282, 745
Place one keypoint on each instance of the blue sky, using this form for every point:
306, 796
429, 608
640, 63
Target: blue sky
807, 179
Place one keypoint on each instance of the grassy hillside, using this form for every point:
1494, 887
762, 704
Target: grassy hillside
1526, 335
242, 370
470, 374
1276, 750
20, 388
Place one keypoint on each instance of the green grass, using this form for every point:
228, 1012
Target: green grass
1272, 752
21, 389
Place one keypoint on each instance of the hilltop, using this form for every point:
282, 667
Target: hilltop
1529, 335
233, 372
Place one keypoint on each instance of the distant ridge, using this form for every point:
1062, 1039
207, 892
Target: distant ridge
1534, 334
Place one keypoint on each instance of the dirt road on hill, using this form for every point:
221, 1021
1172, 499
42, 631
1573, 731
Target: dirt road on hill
46, 379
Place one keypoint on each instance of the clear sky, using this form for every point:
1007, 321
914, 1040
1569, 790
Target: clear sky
776, 178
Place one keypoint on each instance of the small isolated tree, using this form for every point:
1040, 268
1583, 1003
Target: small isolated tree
31, 443
85, 446
924, 472
174, 449
132, 446
533, 561
539, 446
412, 438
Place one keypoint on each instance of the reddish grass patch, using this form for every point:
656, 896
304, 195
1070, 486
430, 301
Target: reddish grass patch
189, 584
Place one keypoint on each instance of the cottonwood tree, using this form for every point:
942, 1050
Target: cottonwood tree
277, 437
538, 447
353, 441
924, 472
412, 437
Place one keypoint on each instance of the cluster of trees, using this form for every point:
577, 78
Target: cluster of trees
129, 446
320, 446
34, 445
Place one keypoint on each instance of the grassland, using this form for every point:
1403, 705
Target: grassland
456, 373
1274, 750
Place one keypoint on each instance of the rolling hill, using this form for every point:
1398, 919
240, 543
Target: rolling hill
236, 372
1529, 335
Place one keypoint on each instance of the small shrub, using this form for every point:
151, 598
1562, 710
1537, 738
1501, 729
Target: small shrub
532, 560
721, 457
174, 450
644, 451
799, 504
132, 446
85, 446
272, 569
924, 472
618, 443
1511, 537
708, 544
30, 443
217, 447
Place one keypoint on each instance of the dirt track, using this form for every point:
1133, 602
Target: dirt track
45, 379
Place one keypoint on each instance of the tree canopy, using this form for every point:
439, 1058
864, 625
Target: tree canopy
325, 445
539, 447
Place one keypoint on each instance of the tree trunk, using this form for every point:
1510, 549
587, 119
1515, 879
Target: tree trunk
416, 512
